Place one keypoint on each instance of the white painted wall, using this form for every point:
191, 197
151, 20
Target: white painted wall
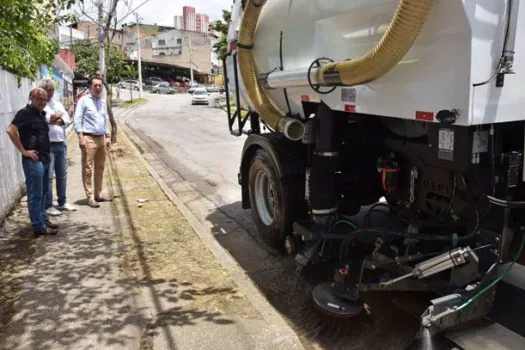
171, 43
12, 98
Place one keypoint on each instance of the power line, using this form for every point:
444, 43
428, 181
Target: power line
135, 9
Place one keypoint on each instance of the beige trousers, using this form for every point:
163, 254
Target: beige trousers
93, 159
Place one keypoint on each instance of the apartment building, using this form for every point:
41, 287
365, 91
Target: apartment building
179, 22
202, 23
172, 47
90, 31
189, 18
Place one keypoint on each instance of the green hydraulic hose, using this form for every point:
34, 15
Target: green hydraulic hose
350, 223
499, 278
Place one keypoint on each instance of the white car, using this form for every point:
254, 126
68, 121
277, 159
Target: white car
200, 96
130, 84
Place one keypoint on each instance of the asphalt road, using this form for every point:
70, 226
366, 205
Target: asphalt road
192, 150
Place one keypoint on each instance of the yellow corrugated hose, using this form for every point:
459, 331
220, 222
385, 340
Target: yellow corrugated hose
405, 27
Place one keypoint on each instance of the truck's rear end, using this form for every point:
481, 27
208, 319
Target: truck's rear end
414, 108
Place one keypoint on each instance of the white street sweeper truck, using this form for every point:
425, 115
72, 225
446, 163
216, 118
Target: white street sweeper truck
386, 139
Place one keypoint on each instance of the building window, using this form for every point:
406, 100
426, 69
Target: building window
162, 42
179, 41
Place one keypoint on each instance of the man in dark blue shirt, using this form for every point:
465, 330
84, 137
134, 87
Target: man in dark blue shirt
29, 133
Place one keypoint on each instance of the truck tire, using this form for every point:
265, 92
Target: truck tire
268, 199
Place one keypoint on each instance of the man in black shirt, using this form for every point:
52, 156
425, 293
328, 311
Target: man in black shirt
29, 133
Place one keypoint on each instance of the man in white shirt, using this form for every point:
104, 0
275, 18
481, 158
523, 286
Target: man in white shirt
58, 120
91, 123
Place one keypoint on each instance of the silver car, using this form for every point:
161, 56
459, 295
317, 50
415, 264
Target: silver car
200, 96
162, 88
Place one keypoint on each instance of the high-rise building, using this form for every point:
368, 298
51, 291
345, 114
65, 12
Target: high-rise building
203, 23
179, 22
188, 13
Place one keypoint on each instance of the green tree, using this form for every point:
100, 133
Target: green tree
25, 28
86, 55
221, 46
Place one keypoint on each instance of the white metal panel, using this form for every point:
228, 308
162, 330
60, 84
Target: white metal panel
433, 75
275, 18
490, 103
458, 46
243, 94
12, 98
236, 16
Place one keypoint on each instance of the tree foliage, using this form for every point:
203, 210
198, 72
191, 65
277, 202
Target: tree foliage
221, 46
25, 28
222, 26
86, 55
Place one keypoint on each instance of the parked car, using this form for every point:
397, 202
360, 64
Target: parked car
212, 88
191, 90
153, 81
129, 83
200, 96
162, 88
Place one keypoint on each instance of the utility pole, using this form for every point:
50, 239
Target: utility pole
191, 58
138, 54
101, 53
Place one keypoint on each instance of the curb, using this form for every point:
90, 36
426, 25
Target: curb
238, 275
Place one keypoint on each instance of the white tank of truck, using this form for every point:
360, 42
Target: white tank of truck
437, 55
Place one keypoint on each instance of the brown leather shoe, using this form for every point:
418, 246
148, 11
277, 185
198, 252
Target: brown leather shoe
51, 225
93, 203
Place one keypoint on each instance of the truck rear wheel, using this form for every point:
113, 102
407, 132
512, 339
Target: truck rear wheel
268, 201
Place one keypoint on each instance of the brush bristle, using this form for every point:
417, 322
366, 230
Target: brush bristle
331, 331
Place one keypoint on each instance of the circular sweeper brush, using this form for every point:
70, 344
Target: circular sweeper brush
331, 302
331, 319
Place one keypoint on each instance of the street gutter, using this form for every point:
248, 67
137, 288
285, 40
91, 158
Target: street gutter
238, 275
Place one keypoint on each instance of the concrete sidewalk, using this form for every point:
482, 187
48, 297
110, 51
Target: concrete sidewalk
71, 292
131, 274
